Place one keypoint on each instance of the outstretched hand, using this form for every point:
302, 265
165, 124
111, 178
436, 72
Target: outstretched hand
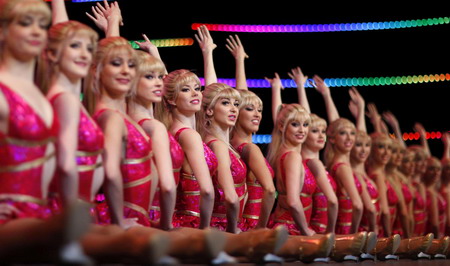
390, 118
236, 48
101, 14
418, 127
204, 39
297, 75
357, 103
275, 82
147, 45
98, 18
320, 86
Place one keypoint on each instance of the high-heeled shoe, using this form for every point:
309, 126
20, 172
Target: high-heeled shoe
411, 248
438, 248
348, 247
386, 247
369, 246
307, 248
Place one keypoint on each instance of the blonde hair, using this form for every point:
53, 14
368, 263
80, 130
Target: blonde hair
173, 83
333, 129
213, 93
317, 121
288, 113
147, 64
107, 48
58, 37
249, 97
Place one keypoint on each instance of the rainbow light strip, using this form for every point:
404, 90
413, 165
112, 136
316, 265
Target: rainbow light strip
267, 138
345, 82
167, 42
360, 26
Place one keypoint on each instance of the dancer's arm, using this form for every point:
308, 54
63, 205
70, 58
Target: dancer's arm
255, 161
192, 145
318, 170
207, 46
293, 171
380, 181
369, 208
446, 144
114, 129
107, 17
324, 90
59, 12
236, 48
276, 85
150, 48
345, 176
67, 108
418, 127
225, 180
297, 75
357, 106
393, 123
158, 133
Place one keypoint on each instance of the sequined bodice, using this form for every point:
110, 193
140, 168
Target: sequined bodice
23, 148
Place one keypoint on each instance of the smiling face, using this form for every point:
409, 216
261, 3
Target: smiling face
26, 36
407, 166
296, 132
76, 57
250, 117
225, 112
118, 73
150, 87
317, 136
381, 151
344, 139
361, 149
189, 97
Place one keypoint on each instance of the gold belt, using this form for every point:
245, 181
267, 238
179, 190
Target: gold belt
188, 176
27, 143
190, 213
138, 182
138, 160
248, 216
136, 208
88, 167
88, 153
319, 224
26, 165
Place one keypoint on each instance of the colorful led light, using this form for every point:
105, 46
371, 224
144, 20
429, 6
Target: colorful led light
347, 82
360, 26
167, 42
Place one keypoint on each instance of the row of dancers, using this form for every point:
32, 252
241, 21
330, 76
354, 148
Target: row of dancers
176, 165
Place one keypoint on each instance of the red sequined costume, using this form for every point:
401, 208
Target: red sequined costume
282, 215
136, 174
239, 174
252, 208
177, 156
188, 195
345, 211
23, 153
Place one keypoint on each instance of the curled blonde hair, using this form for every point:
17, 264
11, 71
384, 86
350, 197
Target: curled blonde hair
173, 82
107, 48
287, 114
377, 138
249, 97
213, 93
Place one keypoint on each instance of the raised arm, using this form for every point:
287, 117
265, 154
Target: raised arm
207, 46
297, 75
59, 12
418, 127
236, 48
276, 85
357, 107
393, 123
374, 116
107, 17
150, 48
324, 90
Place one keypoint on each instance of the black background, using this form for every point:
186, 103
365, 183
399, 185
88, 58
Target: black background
399, 52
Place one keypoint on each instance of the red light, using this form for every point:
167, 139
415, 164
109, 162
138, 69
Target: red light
438, 135
416, 136
433, 135
427, 135
405, 136
411, 136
